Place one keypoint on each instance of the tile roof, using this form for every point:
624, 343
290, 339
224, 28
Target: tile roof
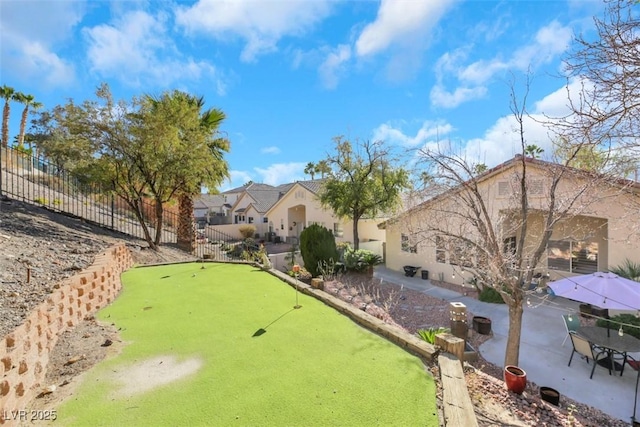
265, 195
209, 201
314, 185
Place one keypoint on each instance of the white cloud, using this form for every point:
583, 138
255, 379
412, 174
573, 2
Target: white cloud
30, 36
270, 150
280, 173
260, 24
442, 98
400, 22
502, 140
237, 178
395, 135
136, 49
333, 66
548, 43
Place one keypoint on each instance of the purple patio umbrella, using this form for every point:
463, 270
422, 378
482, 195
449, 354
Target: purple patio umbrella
606, 290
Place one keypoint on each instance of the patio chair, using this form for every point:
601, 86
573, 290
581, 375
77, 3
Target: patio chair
585, 349
571, 323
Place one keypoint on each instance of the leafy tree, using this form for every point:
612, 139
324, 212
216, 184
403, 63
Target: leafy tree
364, 182
29, 102
157, 147
317, 245
310, 169
7, 93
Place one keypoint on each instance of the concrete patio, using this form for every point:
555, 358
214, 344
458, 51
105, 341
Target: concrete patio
542, 355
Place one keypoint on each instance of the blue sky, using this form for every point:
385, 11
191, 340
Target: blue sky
291, 75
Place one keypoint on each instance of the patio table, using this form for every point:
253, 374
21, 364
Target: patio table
612, 343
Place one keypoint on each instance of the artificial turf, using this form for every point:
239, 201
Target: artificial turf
263, 363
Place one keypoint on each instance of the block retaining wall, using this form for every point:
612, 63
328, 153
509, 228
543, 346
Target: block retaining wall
24, 353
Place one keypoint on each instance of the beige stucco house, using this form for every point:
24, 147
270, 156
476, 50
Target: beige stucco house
600, 230
282, 212
299, 207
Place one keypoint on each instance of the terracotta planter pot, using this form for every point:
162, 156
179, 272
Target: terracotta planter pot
482, 325
515, 378
550, 395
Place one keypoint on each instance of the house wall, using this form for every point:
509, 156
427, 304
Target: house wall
284, 214
606, 217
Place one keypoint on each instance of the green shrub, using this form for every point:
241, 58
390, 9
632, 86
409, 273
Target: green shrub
429, 335
303, 274
488, 294
247, 231
317, 244
360, 260
630, 319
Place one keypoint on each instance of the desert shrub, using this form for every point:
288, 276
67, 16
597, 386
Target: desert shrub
360, 260
627, 319
247, 231
303, 275
429, 335
317, 244
488, 294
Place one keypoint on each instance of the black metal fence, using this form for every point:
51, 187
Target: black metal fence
40, 182
217, 245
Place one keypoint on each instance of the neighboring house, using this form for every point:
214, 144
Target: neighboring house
299, 207
282, 212
602, 230
212, 209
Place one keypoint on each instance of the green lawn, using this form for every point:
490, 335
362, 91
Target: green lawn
312, 366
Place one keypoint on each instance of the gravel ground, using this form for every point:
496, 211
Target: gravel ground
38, 249
493, 403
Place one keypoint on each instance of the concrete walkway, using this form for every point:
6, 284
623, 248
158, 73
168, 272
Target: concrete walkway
542, 355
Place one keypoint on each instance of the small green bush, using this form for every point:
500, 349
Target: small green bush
360, 260
247, 231
622, 318
429, 335
488, 294
317, 244
303, 274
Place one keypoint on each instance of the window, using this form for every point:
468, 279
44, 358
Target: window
250, 220
503, 188
535, 187
337, 229
573, 257
441, 253
406, 246
265, 220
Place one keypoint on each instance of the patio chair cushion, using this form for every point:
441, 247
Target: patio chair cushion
635, 364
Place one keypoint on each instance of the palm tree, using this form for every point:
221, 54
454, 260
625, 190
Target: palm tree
28, 101
310, 169
323, 168
628, 269
7, 93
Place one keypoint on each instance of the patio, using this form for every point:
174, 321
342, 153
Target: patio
542, 355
